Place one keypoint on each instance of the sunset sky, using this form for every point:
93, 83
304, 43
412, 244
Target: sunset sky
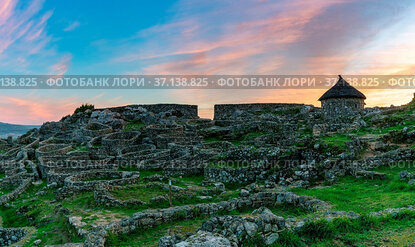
309, 37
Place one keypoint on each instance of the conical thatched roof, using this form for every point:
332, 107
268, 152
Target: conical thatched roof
342, 89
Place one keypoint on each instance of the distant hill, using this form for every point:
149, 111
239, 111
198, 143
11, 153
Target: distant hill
14, 129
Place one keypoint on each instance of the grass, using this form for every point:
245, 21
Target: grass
150, 237
239, 140
363, 231
247, 137
101, 178
336, 142
138, 192
81, 148
6, 190
363, 195
2, 175
27, 210
184, 181
397, 230
133, 126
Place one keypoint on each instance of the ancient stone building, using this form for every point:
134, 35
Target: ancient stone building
342, 100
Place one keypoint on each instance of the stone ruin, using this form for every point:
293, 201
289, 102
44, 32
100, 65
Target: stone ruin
276, 145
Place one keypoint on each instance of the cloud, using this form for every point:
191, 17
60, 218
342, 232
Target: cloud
25, 45
260, 37
72, 26
61, 67
34, 110
245, 40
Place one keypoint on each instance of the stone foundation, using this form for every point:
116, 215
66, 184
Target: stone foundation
225, 111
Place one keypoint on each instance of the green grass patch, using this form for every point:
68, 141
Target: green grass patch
6, 189
336, 142
150, 237
81, 148
212, 139
138, 192
247, 137
40, 212
363, 195
134, 126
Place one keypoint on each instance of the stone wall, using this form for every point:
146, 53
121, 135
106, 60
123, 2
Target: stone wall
85, 181
240, 175
22, 187
103, 196
225, 111
334, 108
153, 217
186, 111
11, 236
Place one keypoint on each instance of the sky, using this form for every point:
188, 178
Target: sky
182, 37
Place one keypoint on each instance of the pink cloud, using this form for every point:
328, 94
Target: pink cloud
74, 25
35, 110
267, 29
62, 66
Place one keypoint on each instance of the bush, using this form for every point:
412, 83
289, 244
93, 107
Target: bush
84, 107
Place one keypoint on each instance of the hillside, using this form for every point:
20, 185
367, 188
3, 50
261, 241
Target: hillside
14, 129
275, 175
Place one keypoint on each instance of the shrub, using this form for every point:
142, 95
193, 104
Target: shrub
84, 107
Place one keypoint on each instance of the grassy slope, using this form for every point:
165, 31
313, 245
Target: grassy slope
363, 195
51, 226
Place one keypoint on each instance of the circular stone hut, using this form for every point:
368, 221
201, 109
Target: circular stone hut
342, 100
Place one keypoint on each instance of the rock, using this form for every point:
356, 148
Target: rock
158, 199
271, 239
244, 193
404, 174
251, 228
147, 140
205, 239
169, 241
316, 146
377, 146
52, 185
306, 109
204, 197
411, 182
37, 242
220, 187
76, 221
41, 193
